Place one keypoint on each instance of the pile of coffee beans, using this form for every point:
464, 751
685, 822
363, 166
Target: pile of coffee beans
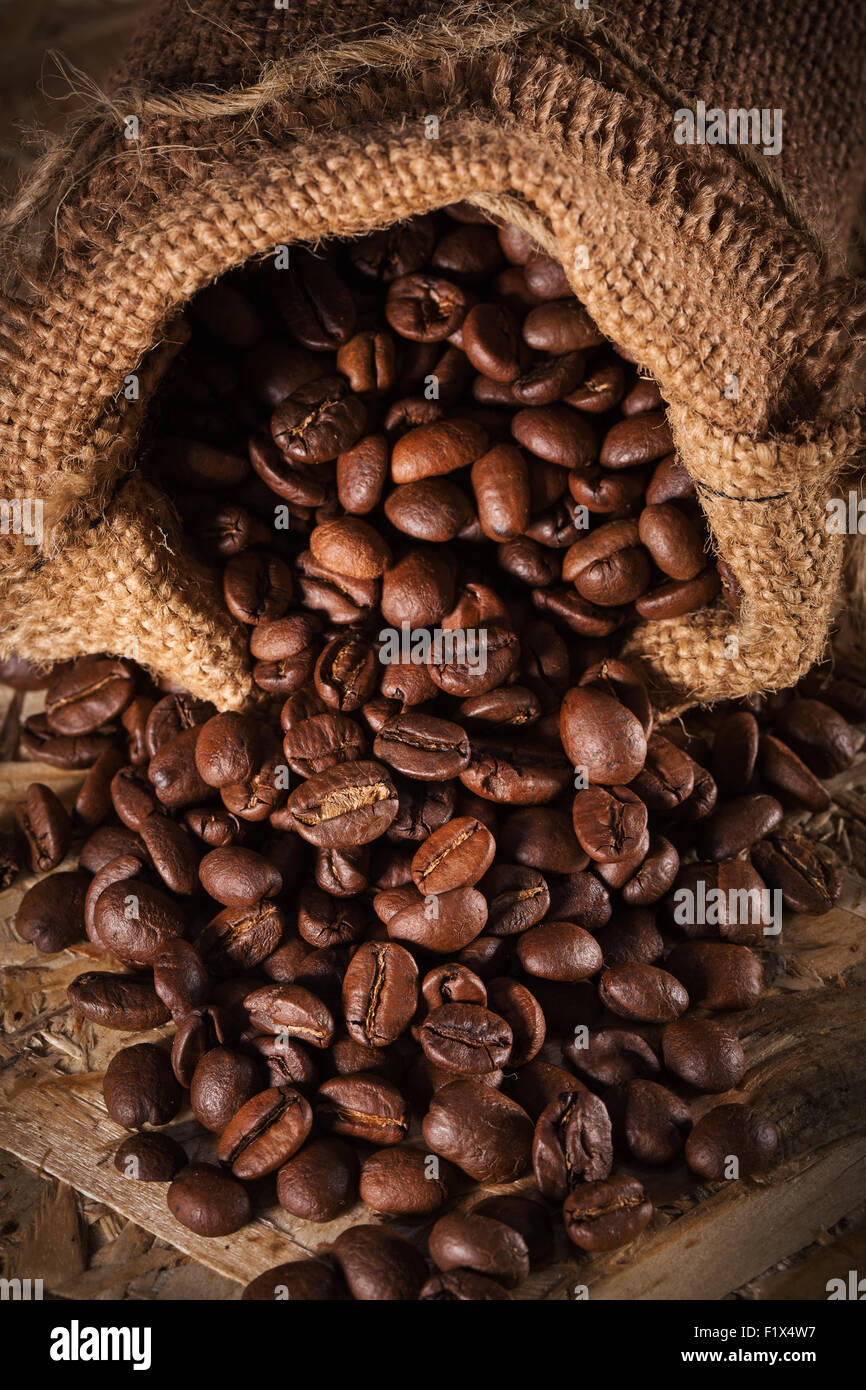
447, 908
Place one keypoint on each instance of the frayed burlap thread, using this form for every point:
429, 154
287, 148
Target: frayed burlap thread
702, 261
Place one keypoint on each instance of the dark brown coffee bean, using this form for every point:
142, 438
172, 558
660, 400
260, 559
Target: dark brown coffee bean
456, 855
672, 540
481, 1244
654, 876
806, 873
609, 823
238, 877
139, 1087
500, 482
602, 736
735, 752
404, 1181
484, 1133
180, 978
425, 308
560, 326
51, 913
611, 1056
717, 975
466, 1038
572, 1144
434, 509
320, 1182
649, 1121
293, 1010
462, 1285
61, 750
174, 775
380, 993
322, 741
642, 992
362, 1106
90, 692
350, 804
703, 1054
559, 951
134, 920
517, 898
638, 440
431, 450
149, 1158
207, 1201
737, 825
732, 1141
580, 898
678, 596
93, 804
631, 936
515, 771
785, 772
818, 735
265, 1132
379, 1265
127, 1003
557, 434
607, 1214
452, 984
222, 1081
239, 938
298, 1281
423, 747
608, 567
444, 922
172, 853
45, 825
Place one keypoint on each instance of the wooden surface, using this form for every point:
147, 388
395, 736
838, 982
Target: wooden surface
805, 1044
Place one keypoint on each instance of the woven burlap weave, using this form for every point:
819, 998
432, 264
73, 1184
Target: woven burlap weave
260, 126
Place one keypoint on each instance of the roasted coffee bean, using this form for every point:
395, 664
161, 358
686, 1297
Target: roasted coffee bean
405, 1181
725, 899
608, 567
293, 1010
127, 1003
51, 913
425, 308
572, 1144
818, 735
362, 1106
484, 1133
379, 1265
209, 1202
638, 440
443, 922
678, 596
542, 838
805, 872
673, 542
607, 1214
456, 855
557, 434
265, 1132
648, 1120
139, 1087
602, 736
785, 772
132, 797
559, 951
581, 898
462, 1285
735, 752
481, 1244
703, 1054
346, 805
90, 692
45, 825
174, 774
520, 1009
517, 898
514, 771
380, 992
642, 992
667, 778
257, 586
732, 1132
717, 975
221, 1083
466, 1038
452, 984
320, 1182
149, 1158
610, 823
134, 920
631, 936
611, 1056
239, 938
172, 853
173, 715
61, 750
422, 747
298, 1281
93, 804
180, 978
737, 825
238, 877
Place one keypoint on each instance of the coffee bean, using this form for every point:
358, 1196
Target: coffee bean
425, 308
607, 1214
640, 439
717, 975
611, 1056
443, 922
320, 1182
572, 1144
128, 1003
88, 693
484, 1133
643, 992
456, 855
349, 804
703, 1054
180, 978
379, 1265
739, 824
239, 938
648, 1120
380, 992
466, 1038
298, 1281
293, 1010
732, 1132
238, 877
139, 1087
517, 898
818, 735
559, 951
45, 825
602, 736
222, 1082
423, 747
149, 1158
51, 913
265, 1132
481, 1244
207, 1201
404, 1181
362, 1106
461, 1285
806, 873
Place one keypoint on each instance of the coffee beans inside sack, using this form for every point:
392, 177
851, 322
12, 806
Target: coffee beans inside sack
445, 907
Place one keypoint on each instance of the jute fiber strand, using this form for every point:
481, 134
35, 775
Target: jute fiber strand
260, 126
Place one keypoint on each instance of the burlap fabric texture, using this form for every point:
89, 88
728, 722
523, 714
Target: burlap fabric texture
260, 126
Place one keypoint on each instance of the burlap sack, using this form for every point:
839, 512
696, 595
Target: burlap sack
260, 125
